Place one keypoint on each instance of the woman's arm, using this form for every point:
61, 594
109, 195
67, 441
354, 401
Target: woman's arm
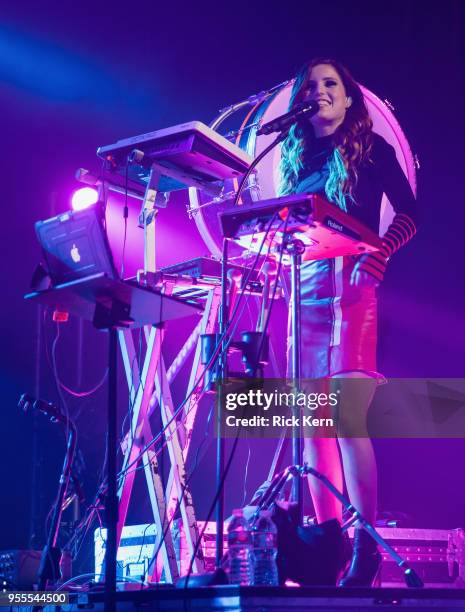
404, 225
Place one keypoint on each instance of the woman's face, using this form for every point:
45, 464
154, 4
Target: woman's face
325, 85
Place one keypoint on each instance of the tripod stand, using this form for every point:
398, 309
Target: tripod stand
297, 472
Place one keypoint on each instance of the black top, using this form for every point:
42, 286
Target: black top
382, 174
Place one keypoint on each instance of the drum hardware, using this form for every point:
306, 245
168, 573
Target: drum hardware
235, 133
224, 197
389, 104
252, 100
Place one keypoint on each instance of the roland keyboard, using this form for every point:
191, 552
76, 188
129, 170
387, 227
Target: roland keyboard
325, 229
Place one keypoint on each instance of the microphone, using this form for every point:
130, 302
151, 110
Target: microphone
284, 122
27, 402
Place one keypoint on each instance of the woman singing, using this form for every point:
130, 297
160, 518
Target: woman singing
338, 155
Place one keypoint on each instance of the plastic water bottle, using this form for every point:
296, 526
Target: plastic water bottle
240, 550
265, 550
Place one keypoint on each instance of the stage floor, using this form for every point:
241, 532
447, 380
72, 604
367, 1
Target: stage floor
264, 599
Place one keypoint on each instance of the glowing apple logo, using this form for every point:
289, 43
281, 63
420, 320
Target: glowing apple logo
75, 255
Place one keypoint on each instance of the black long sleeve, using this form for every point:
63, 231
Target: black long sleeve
388, 175
381, 174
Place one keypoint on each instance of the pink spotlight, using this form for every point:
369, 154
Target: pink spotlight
83, 198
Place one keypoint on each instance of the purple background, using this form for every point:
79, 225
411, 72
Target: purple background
76, 76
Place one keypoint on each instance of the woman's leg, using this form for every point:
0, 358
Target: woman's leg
360, 473
358, 458
323, 455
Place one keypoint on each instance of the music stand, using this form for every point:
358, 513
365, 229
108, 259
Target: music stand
111, 304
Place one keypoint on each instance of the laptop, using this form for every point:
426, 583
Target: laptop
75, 245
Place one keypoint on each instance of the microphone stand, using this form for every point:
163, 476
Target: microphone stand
49, 568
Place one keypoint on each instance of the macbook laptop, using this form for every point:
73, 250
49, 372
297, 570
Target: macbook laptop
75, 245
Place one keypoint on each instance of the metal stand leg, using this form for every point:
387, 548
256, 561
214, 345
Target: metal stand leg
149, 460
295, 248
183, 494
111, 499
207, 327
49, 568
153, 390
140, 409
276, 464
297, 472
411, 577
221, 376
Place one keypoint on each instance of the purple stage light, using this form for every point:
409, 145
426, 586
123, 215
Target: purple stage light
83, 198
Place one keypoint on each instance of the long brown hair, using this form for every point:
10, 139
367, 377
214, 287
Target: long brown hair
353, 139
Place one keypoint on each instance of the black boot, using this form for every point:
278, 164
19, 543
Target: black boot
365, 567
346, 554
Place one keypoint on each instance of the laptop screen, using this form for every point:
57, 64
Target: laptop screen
75, 245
